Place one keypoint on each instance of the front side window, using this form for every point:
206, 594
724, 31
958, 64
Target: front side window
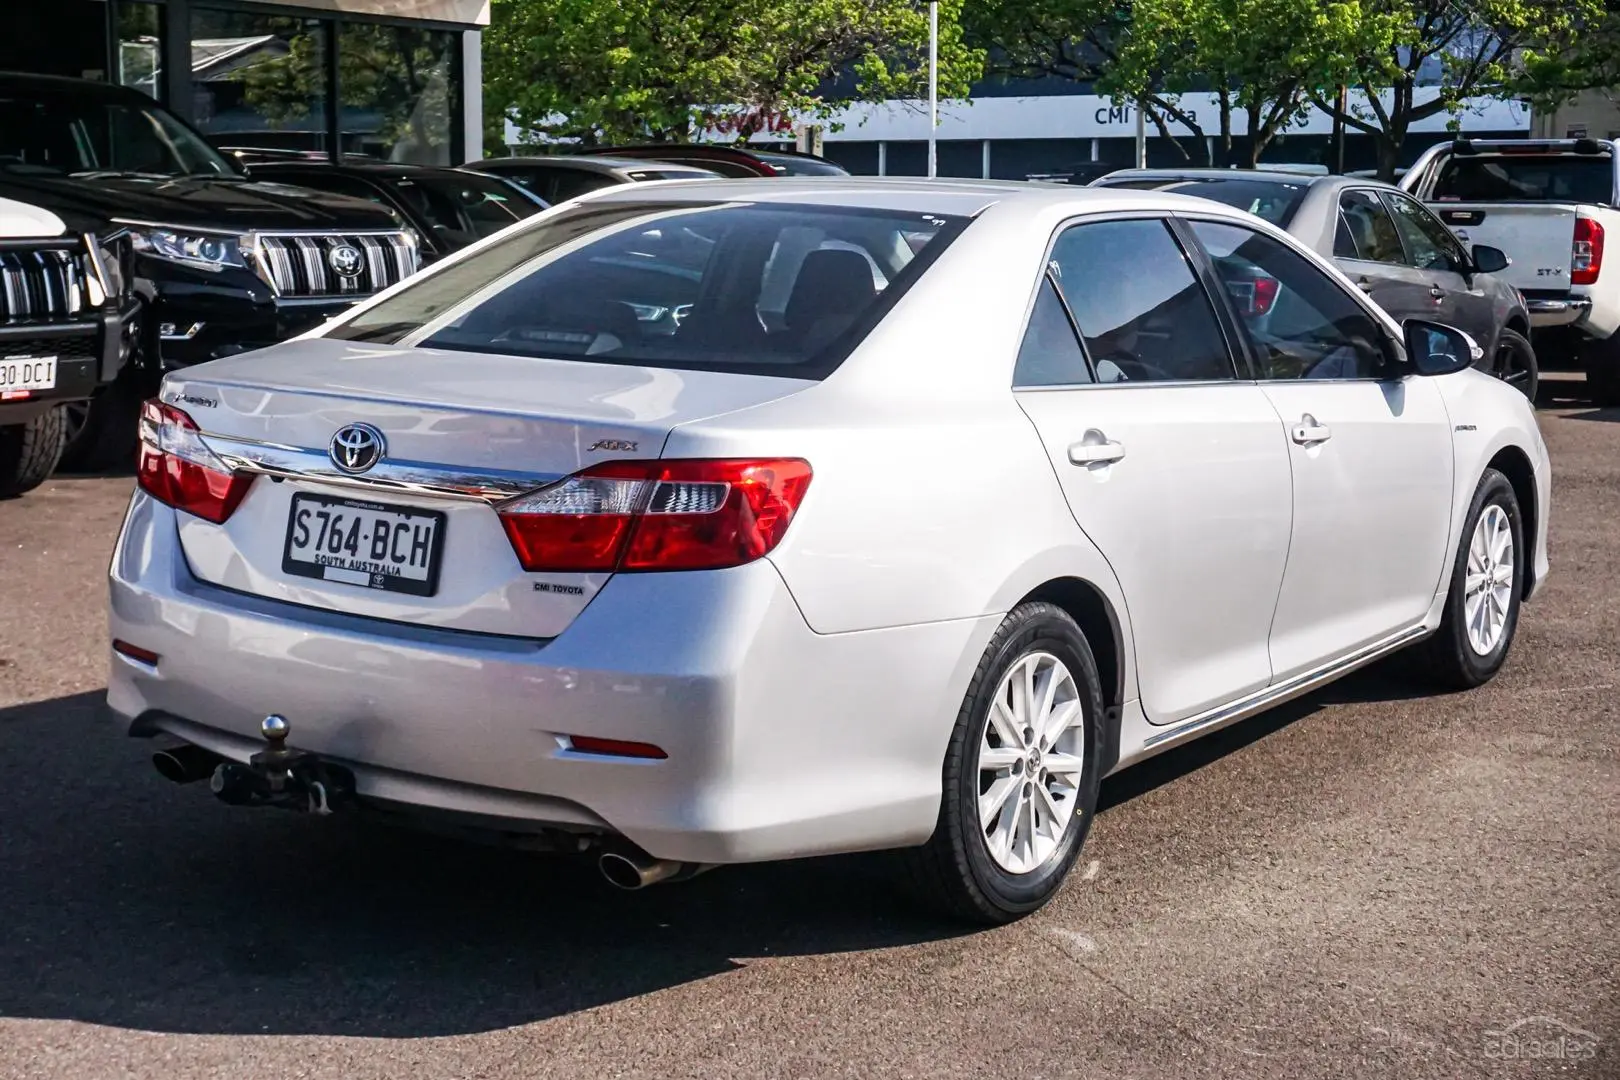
1371, 232
777, 289
1301, 323
1432, 245
1142, 311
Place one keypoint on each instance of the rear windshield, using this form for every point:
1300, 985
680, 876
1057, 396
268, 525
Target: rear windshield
1530, 178
761, 288
1274, 201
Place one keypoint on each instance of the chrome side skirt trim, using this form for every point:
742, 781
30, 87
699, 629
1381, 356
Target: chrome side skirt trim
416, 478
1270, 696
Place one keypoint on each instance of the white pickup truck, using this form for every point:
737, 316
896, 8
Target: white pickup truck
1548, 204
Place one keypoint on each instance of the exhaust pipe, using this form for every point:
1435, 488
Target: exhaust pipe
633, 869
185, 763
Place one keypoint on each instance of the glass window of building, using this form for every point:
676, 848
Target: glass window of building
138, 34
259, 80
398, 92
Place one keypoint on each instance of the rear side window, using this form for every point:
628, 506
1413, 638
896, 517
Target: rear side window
1370, 230
1140, 307
1051, 353
1526, 178
759, 288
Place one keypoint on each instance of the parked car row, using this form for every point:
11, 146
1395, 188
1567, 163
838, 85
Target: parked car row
180, 252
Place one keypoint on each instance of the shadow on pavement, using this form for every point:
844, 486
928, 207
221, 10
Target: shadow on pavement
133, 903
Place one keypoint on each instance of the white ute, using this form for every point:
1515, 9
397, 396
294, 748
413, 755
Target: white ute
1549, 204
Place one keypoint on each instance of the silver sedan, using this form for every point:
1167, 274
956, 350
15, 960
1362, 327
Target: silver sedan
690, 524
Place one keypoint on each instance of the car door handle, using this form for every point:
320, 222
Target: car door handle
1437, 292
1095, 448
1365, 285
1310, 433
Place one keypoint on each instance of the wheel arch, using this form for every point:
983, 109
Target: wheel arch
1092, 611
1512, 462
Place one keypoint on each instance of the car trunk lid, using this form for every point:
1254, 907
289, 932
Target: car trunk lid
414, 536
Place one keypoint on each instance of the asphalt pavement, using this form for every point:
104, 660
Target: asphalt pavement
1365, 883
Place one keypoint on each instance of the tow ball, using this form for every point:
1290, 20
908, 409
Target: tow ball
280, 775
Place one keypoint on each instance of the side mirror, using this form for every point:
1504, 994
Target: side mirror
1436, 349
1489, 260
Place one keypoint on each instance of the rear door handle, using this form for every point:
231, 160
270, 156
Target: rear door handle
1095, 448
1310, 433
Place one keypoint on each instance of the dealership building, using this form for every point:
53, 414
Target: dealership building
393, 79
1014, 131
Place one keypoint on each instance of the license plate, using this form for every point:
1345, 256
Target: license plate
367, 544
27, 373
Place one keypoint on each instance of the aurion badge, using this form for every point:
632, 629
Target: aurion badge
346, 260
356, 448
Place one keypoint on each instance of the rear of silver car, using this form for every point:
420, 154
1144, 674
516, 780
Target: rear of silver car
468, 580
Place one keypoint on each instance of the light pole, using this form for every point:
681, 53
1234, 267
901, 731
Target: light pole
933, 85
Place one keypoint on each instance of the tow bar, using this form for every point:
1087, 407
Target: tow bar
282, 776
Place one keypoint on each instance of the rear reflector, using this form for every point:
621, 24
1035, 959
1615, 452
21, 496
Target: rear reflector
589, 744
1586, 254
657, 515
135, 652
177, 468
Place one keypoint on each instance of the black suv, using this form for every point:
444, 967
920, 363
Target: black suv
63, 309
221, 263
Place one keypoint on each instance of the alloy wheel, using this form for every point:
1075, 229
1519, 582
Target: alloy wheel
1488, 584
1031, 758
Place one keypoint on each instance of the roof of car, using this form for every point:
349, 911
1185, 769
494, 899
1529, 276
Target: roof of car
591, 163
359, 168
908, 195
1254, 176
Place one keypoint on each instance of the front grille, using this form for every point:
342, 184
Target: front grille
41, 283
306, 265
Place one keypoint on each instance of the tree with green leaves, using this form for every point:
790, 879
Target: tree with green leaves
1257, 58
1260, 58
1483, 49
636, 70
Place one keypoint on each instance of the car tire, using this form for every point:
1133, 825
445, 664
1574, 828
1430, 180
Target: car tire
997, 873
107, 429
1516, 363
29, 451
1471, 644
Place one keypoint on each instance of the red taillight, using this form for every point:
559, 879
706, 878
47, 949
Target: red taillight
1586, 254
1265, 294
590, 744
657, 515
135, 652
176, 467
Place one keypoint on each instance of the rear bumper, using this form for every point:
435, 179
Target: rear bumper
781, 742
1546, 312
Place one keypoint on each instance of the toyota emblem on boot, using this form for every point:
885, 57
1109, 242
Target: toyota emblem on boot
356, 448
346, 260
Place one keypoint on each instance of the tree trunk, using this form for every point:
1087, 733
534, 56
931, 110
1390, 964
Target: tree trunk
1389, 155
